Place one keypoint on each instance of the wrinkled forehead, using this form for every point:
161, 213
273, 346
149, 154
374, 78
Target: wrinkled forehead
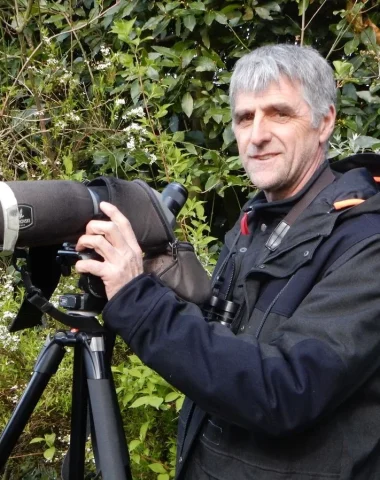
284, 91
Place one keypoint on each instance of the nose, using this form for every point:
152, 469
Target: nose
260, 131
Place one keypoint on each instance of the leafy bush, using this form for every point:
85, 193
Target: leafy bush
139, 88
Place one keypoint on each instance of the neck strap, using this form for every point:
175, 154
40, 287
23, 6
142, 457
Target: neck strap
274, 241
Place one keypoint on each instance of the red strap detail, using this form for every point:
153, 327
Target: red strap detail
244, 224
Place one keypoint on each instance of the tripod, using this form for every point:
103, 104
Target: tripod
93, 386
93, 392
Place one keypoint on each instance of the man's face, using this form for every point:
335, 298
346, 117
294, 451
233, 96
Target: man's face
278, 147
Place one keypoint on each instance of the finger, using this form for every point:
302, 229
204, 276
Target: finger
110, 231
101, 246
122, 222
90, 266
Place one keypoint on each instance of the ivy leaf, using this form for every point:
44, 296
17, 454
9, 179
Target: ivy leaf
37, 440
151, 400
187, 104
170, 397
49, 453
179, 403
163, 476
133, 444
189, 22
50, 439
143, 429
157, 468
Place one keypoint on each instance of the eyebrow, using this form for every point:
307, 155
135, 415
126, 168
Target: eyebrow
280, 106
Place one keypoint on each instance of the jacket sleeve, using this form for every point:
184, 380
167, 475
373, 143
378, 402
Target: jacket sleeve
314, 361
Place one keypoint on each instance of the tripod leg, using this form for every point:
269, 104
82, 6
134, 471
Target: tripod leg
46, 365
106, 417
73, 464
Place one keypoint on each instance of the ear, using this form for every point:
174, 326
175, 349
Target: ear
327, 124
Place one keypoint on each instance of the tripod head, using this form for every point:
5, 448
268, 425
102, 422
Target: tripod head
82, 308
93, 299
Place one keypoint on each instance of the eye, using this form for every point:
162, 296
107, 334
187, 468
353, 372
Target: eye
245, 119
281, 114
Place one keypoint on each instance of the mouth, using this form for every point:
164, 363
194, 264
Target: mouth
266, 156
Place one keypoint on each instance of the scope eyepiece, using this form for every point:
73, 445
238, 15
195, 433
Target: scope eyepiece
174, 196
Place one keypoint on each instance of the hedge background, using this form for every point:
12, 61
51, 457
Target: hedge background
139, 89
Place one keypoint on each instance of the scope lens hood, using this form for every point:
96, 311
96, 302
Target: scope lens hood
139, 203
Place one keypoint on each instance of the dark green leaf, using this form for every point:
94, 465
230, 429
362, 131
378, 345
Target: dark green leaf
366, 95
368, 37
209, 18
153, 22
189, 22
366, 142
228, 135
205, 64
263, 13
205, 38
187, 57
152, 73
220, 18
351, 46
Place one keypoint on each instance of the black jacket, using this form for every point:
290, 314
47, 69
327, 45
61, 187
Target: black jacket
297, 391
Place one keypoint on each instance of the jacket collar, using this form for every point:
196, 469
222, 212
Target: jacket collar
319, 218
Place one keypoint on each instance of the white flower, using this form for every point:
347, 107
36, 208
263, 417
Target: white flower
105, 50
7, 340
61, 124
135, 112
102, 66
73, 117
131, 144
23, 165
135, 128
120, 101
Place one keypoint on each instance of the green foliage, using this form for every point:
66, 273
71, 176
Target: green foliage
138, 387
139, 88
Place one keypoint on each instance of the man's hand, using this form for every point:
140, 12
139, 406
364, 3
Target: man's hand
115, 241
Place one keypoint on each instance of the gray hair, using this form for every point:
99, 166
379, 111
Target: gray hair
256, 70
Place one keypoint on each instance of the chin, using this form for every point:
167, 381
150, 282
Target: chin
264, 184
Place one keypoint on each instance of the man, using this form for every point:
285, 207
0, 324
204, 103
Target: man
291, 390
